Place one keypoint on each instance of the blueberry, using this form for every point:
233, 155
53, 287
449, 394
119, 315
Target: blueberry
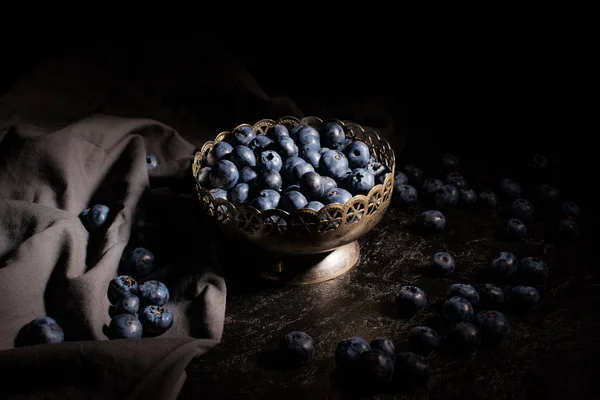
140, 262
488, 199
432, 221
97, 216
219, 194
464, 337
272, 195
457, 309
375, 367
400, 179
539, 163
239, 194
242, 157
129, 304
467, 292
361, 181
348, 351
277, 132
457, 180
493, 325
324, 150
294, 131
286, 147
125, 326
431, 186
442, 263
548, 194
411, 300
467, 196
566, 230
260, 143
523, 297
203, 178
155, 320
224, 175
515, 228
336, 195
490, 296
414, 175
311, 185
405, 194
377, 168
341, 146
269, 179
292, 201
218, 152
44, 330
291, 187
315, 205
309, 138
504, 264
312, 157
120, 286
522, 209
328, 183
412, 368
358, 154
533, 271
450, 162
243, 135
262, 204
299, 170
288, 166
510, 188
570, 210
333, 163
153, 293
297, 348
247, 175
269, 159
151, 161
332, 133
446, 197
385, 345
423, 340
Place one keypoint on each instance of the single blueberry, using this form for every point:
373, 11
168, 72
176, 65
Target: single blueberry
375, 367
332, 133
521, 209
129, 304
570, 210
260, 143
386, 345
311, 185
450, 162
430, 187
361, 181
120, 286
414, 175
315, 205
292, 201
533, 271
218, 152
442, 263
515, 228
307, 135
411, 300
224, 175
277, 132
510, 188
203, 177
358, 154
286, 147
297, 348
490, 296
523, 297
464, 337
44, 330
97, 216
488, 199
348, 351
457, 180
299, 170
312, 157
272, 195
334, 164
125, 326
467, 196
493, 325
457, 309
412, 368
247, 175
336, 195
269, 160
239, 194
153, 293
262, 204
566, 230
423, 340
467, 292
432, 221
269, 179
328, 183
151, 161
243, 135
446, 197
155, 320
139, 262
504, 265
400, 179
219, 194
242, 157
405, 194
548, 194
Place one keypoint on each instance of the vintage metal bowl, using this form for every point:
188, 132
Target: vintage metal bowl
305, 246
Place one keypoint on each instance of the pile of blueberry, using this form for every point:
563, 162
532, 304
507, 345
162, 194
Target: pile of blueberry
290, 170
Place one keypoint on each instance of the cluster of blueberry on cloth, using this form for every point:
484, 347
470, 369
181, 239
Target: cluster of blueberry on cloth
290, 169
472, 314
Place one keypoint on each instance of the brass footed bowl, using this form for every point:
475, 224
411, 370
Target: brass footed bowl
305, 231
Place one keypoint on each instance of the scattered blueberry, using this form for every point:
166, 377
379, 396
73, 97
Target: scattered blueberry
336, 195
155, 320
412, 368
467, 196
203, 177
358, 154
286, 147
450, 162
247, 175
423, 340
292, 201
243, 135
139, 262
218, 152
442, 263
414, 175
523, 297
297, 348
262, 204
269, 159
464, 337
432, 221
510, 188
361, 181
333, 163
277, 132
242, 157
312, 157
385, 345
311, 185
44, 330
570, 210
153, 293
457, 180
272, 195
515, 228
457, 309
120, 286
504, 264
375, 367
125, 326
332, 133
97, 216
151, 161
490, 296
405, 194
261, 143
446, 197
129, 304
269, 179
219, 194
411, 300
489, 199
348, 350
224, 175
521, 209
467, 292
400, 179
431, 186
240, 192
493, 325
548, 194
315, 205
533, 271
